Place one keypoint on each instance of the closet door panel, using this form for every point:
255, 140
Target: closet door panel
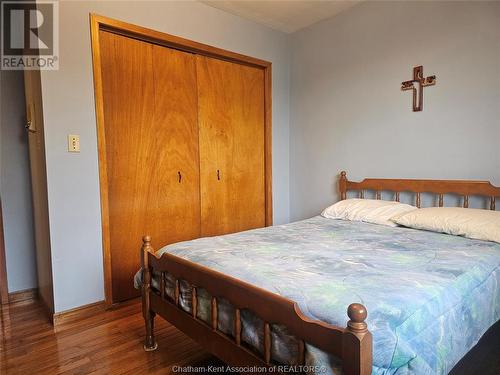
150, 118
176, 146
231, 121
128, 93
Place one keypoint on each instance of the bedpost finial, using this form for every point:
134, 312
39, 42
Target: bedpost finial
343, 185
357, 314
146, 243
357, 341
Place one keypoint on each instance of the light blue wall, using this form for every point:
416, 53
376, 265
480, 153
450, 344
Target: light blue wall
73, 184
15, 185
347, 110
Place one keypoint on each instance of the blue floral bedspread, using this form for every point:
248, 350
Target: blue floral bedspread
430, 296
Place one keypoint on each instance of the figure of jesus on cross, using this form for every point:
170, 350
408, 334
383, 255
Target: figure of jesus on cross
418, 92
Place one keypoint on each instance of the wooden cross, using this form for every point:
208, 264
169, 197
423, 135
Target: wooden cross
418, 78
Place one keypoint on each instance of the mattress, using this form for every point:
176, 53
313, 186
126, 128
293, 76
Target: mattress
429, 296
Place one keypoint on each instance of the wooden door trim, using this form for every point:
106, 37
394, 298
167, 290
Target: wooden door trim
268, 145
156, 37
98, 23
4, 288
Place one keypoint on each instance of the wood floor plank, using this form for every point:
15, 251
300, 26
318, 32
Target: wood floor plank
109, 342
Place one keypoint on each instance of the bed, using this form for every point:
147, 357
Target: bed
277, 296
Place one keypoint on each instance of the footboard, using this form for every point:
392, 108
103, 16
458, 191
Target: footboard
353, 344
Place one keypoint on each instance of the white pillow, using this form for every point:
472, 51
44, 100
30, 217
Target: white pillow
467, 222
367, 210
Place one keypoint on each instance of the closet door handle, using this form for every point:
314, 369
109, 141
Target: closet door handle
218, 175
180, 176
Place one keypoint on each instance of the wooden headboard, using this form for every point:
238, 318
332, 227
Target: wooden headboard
464, 188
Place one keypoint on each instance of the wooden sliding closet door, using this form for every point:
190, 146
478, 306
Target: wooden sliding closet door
231, 121
151, 140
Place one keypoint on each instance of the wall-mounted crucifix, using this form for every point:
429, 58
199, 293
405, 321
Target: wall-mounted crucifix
421, 82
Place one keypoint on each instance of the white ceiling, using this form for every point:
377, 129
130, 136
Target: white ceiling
284, 15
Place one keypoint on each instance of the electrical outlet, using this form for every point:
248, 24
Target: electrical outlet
73, 143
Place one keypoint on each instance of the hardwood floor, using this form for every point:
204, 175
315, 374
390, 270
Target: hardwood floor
110, 342
107, 343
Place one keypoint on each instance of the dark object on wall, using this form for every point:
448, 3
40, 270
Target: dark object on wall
418, 78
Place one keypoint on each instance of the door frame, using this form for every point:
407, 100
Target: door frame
4, 286
97, 23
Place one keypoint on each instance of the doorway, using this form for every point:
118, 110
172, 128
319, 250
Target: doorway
19, 179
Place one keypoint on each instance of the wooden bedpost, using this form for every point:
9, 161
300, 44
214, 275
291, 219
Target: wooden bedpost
149, 343
343, 185
357, 355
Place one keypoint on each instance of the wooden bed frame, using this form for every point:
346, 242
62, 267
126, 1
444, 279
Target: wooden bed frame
352, 344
